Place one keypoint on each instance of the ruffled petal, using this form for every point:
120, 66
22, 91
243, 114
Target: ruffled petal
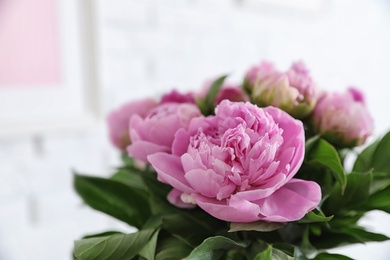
180, 142
291, 202
220, 209
141, 149
265, 190
170, 170
207, 182
293, 136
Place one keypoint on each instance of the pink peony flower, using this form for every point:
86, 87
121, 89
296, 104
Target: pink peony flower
343, 119
176, 97
293, 91
156, 131
118, 120
239, 165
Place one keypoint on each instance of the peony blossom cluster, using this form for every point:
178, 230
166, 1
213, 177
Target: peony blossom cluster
238, 164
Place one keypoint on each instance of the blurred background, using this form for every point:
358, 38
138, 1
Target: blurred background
64, 64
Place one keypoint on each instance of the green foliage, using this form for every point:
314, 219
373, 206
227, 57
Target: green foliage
214, 248
136, 197
207, 104
117, 246
356, 193
320, 152
313, 217
114, 198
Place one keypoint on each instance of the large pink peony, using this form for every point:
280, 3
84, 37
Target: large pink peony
239, 165
118, 120
343, 119
156, 131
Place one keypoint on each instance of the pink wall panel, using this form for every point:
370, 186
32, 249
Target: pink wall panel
29, 43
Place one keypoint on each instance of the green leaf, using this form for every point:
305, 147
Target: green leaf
361, 234
158, 193
298, 254
315, 229
327, 256
363, 162
114, 198
263, 251
120, 246
323, 153
340, 235
380, 158
213, 247
313, 217
172, 248
149, 250
261, 226
201, 225
311, 142
374, 156
131, 179
256, 248
380, 181
380, 201
356, 193
103, 234
127, 161
280, 255
266, 254
207, 104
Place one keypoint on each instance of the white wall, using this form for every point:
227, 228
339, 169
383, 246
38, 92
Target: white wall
146, 47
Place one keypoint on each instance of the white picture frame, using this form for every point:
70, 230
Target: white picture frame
73, 104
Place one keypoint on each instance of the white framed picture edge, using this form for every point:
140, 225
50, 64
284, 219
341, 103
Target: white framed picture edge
308, 6
74, 104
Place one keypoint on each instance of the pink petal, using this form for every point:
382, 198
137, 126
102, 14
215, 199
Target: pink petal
180, 142
291, 202
135, 125
220, 210
141, 149
170, 170
294, 136
189, 163
265, 190
207, 183
162, 132
226, 191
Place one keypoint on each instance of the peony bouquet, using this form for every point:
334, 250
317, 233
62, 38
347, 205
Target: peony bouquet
249, 171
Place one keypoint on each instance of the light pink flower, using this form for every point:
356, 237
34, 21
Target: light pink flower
343, 119
239, 165
293, 91
118, 120
156, 131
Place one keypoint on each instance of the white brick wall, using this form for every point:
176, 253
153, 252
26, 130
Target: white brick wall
148, 47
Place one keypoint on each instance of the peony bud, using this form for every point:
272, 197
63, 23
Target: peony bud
155, 132
293, 91
343, 119
118, 120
